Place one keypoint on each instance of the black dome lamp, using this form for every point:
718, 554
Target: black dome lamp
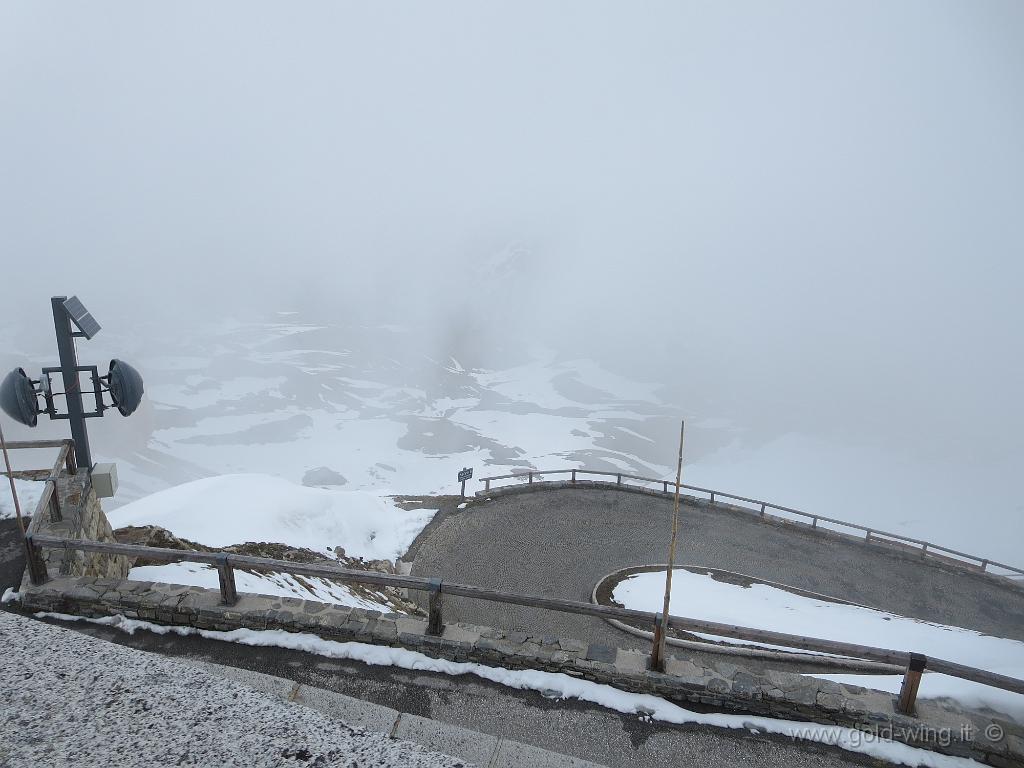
19, 394
125, 386
18, 398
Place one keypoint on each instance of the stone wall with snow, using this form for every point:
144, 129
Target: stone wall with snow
81, 517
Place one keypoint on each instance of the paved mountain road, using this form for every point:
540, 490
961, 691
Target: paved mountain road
559, 543
570, 727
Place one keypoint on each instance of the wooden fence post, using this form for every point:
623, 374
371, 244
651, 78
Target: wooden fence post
70, 461
911, 682
36, 566
435, 626
658, 647
55, 514
226, 575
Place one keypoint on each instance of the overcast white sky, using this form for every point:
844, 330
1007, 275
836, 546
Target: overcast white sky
807, 213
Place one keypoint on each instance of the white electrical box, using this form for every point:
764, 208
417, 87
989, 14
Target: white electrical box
104, 480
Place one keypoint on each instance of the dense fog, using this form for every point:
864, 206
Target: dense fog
801, 223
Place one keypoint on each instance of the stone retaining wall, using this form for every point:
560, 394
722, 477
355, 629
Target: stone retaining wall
940, 727
82, 517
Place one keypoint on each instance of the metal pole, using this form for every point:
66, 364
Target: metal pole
69, 374
14, 491
658, 651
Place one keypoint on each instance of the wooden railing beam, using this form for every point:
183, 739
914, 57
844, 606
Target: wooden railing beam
225, 562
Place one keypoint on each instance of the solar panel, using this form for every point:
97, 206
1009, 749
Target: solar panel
81, 317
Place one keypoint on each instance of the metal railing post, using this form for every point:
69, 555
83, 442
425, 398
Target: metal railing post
574, 475
487, 483
664, 486
435, 625
531, 477
906, 705
618, 479
712, 497
226, 576
36, 565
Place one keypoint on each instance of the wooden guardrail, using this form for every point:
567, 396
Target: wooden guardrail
225, 564
50, 498
925, 548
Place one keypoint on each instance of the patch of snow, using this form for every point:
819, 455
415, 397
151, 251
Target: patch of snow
935, 686
9, 596
553, 685
274, 584
766, 607
28, 492
233, 509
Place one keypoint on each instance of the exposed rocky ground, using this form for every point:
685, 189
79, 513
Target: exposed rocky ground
155, 536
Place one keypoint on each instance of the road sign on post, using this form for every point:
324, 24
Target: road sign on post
464, 475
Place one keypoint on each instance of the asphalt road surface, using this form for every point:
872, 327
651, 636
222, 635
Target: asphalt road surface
570, 727
559, 543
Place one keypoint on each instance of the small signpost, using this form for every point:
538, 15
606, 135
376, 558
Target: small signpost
464, 475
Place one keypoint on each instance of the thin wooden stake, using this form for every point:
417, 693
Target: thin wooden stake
14, 491
660, 630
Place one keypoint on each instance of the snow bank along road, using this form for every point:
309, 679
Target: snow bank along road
561, 542
570, 727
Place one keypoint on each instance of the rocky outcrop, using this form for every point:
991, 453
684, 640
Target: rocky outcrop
155, 536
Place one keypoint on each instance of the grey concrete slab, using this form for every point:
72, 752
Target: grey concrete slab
277, 687
514, 754
472, 746
354, 712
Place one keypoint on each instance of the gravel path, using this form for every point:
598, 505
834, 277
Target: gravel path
70, 699
559, 543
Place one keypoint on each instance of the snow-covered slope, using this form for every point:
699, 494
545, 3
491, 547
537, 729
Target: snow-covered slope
236, 509
700, 596
233, 509
389, 409
28, 492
